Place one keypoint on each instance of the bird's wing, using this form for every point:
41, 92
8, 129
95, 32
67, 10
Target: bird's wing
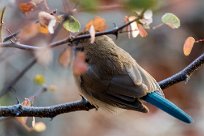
144, 79
135, 82
119, 90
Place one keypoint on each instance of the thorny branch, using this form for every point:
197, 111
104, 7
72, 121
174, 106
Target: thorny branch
114, 31
52, 111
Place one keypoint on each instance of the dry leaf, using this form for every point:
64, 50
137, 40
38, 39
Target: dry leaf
39, 126
23, 120
133, 26
44, 56
79, 65
43, 29
27, 7
52, 87
142, 31
128, 29
47, 22
27, 32
33, 122
26, 102
98, 23
51, 25
92, 33
64, 58
188, 45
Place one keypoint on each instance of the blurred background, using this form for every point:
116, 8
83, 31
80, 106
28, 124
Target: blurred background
160, 53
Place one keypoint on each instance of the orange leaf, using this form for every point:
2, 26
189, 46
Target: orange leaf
79, 65
142, 31
26, 102
98, 23
28, 32
23, 120
27, 7
188, 45
64, 58
43, 29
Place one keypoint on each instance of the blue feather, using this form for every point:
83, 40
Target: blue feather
159, 101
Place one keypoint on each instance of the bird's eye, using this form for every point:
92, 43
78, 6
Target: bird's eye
80, 48
87, 60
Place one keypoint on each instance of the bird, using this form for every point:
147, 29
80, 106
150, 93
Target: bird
114, 80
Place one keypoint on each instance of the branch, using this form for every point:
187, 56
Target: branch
114, 31
17, 78
46, 112
52, 111
183, 75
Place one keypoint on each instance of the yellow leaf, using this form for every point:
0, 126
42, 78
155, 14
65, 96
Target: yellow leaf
39, 79
43, 29
39, 126
188, 45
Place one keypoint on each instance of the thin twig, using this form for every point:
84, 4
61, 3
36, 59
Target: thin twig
114, 31
17, 78
183, 75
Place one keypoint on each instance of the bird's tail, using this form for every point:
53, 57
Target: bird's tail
159, 101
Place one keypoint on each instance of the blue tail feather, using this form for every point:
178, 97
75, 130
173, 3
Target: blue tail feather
159, 101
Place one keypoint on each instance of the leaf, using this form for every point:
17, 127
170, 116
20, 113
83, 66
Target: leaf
171, 20
92, 33
188, 45
133, 27
23, 120
26, 102
128, 29
64, 58
28, 31
47, 22
33, 122
43, 29
148, 14
142, 31
72, 24
79, 65
44, 56
98, 23
39, 79
39, 127
27, 7
51, 25
52, 88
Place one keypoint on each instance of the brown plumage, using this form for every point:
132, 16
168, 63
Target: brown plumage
114, 79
